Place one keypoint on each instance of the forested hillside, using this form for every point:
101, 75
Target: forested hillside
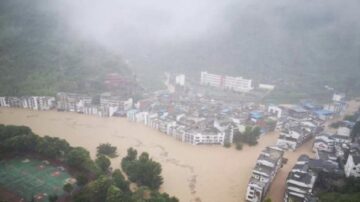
300, 46
39, 54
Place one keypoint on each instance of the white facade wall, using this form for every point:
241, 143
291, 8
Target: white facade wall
180, 80
338, 97
33, 103
351, 169
266, 86
3, 102
343, 131
275, 110
25, 103
211, 79
131, 115
128, 104
112, 110
238, 84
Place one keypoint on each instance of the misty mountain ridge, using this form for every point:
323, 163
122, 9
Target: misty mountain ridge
41, 56
300, 46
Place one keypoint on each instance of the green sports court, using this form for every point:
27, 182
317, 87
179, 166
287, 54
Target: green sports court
32, 178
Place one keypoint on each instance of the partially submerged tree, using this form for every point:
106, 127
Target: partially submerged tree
107, 149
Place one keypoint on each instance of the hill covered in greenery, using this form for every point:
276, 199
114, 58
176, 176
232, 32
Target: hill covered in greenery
39, 54
300, 46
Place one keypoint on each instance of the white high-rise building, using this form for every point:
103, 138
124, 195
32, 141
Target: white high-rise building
180, 80
213, 80
238, 84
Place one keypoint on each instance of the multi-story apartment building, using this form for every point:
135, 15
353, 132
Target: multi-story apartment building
300, 181
4, 102
266, 168
237, 84
213, 80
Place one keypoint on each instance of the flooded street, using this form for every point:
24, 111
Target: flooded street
191, 173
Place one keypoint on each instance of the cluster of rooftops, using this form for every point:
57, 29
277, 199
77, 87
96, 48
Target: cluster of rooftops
297, 125
196, 118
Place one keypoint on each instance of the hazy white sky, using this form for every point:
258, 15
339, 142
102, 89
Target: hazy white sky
158, 19
237, 30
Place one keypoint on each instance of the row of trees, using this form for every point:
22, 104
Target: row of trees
20, 139
113, 186
105, 185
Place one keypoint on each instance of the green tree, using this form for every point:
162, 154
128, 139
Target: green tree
103, 163
131, 154
128, 159
144, 171
68, 188
98, 189
254, 136
12, 131
107, 149
53, 147
267, 200
120, 181
351, 118
53, 197
114, 194
144, 194
81, 180
21, 143
239, 145
78, 157
227, 145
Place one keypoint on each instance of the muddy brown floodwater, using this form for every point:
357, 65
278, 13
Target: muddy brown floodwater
191, 173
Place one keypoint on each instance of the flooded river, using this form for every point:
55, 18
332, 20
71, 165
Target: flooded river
191, 173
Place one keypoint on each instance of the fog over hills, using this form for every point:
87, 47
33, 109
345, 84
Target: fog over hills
41, 55
301, 45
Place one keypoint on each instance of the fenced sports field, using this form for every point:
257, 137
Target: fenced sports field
32, 178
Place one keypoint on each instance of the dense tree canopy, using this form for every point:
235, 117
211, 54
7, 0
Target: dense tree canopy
79, 157
249, 136
144, 171
330, 187
52, 147
109, 187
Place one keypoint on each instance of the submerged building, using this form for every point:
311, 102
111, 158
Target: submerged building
300, 181
266, 168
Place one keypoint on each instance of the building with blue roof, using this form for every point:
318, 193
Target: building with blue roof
324, 114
